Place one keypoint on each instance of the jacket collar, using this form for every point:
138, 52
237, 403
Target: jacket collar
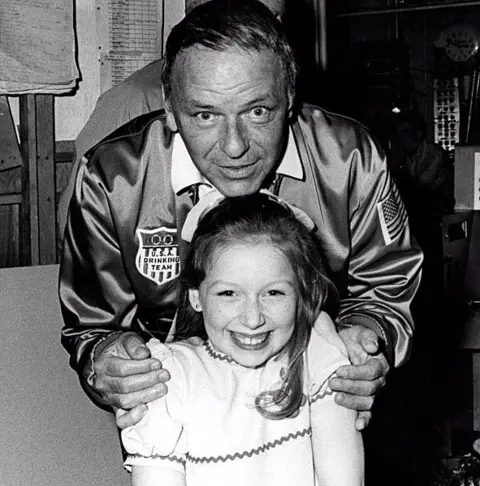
185, 174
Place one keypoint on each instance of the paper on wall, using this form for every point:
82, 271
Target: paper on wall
476, 182
130, 34
37, 47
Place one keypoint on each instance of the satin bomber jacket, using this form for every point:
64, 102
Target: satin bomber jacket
122, 250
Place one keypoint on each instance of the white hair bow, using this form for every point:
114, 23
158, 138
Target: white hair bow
213, 197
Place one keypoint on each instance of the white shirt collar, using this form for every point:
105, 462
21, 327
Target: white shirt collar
184, 172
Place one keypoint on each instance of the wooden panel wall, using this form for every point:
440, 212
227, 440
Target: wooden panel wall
10, 252
32, 175
38, 179
10, 190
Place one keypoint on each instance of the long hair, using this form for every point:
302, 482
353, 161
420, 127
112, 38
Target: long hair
222, 24
252, 219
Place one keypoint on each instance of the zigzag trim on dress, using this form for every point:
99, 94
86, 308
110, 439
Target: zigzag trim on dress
320, 395
324, 390
172, 458
252, 452
216, 355
229, 457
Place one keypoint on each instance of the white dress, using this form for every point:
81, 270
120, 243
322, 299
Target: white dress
208, 427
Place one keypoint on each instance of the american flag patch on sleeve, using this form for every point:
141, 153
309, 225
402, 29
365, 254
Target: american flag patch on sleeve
393, 216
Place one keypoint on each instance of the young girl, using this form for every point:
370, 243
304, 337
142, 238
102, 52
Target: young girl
248, 401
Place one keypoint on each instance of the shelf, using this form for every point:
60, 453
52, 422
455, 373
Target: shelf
417, 8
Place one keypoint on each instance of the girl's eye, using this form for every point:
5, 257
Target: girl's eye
226, 293
274, 293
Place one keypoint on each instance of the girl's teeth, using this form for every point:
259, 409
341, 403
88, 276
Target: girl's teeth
251, 341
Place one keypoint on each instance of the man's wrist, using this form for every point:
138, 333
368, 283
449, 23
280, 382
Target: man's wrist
97, 349
87, 377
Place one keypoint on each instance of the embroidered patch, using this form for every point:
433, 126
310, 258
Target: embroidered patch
158, 258
393, 216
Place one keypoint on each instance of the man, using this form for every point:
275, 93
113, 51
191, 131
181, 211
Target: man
230, 125
140, 93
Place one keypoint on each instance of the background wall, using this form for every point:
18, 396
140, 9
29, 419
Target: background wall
381, 60
72, 111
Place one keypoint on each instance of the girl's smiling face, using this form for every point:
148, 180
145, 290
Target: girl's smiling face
249, 301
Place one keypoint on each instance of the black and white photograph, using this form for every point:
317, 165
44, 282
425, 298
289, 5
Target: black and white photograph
240, 242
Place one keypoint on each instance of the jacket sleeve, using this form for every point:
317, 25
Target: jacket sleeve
96, 298
140, 93
385, 262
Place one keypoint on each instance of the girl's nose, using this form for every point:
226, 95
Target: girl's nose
253, 317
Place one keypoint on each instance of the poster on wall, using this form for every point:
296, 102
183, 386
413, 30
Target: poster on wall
37, 47
130, 35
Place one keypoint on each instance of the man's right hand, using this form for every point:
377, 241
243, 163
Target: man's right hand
127, 378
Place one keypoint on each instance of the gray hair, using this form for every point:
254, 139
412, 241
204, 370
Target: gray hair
222, 24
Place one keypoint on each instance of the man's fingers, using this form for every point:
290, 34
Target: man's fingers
126, 376
357, 384
371, 370
369, 342
363, 419
113, 366
132, 400
355, 387
354, 402
361, 343
136, 382
128, 418
135, 346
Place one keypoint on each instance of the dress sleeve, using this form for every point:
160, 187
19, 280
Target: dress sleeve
337, 445
325, 354
159, 439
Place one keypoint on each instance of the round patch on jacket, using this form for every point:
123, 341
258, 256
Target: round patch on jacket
158, 257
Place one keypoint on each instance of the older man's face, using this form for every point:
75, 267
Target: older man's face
231, 109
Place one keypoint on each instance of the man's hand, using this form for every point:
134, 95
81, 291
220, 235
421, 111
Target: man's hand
357, 385
127, 378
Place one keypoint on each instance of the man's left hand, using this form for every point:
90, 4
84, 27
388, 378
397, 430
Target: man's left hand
357, 385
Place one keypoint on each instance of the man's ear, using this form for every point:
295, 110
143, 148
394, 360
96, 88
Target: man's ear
194, 298
170, 121
291, 103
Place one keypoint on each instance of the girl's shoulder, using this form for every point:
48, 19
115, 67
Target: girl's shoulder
178, 354
325, 353
191, 363
187, 368
325, 332
175, 349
